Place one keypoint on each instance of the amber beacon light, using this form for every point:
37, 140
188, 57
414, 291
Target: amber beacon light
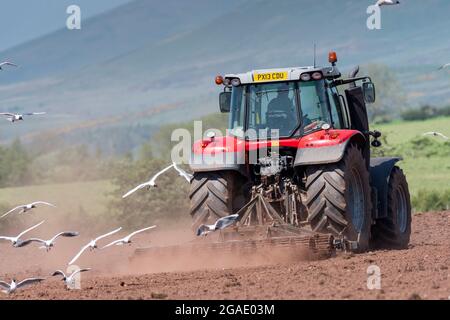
332, 57
219, 80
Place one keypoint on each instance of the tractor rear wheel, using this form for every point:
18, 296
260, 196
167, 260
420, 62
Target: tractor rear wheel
211, 197
394, 231
338, 198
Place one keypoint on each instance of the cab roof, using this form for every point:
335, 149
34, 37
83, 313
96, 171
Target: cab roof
282, 74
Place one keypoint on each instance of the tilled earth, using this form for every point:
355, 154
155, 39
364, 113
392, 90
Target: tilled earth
421, 272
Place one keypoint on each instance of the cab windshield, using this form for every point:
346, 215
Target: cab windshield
287, 108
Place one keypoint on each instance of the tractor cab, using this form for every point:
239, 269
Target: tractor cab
290, 102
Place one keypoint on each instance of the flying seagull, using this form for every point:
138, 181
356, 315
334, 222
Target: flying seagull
7, 63
16, 242
48, 244
148, 184
127, 239
11, 288
444, 66
27, 207
220, 224
93, 244
13, 117
436, 134
386, 2
183, 173
68, 280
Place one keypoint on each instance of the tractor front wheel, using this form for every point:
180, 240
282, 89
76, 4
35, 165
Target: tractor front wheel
210, 197
338, 198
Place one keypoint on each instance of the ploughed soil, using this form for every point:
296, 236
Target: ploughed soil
420, 272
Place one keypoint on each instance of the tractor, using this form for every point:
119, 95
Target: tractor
296, 164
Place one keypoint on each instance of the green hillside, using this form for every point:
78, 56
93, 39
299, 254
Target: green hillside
105, 80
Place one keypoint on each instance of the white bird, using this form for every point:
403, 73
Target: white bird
27, 207
183, 173
220, 224
7, 63
68, 280
11, 288
444, 66
436, 134
127, 239
13, 117
148, 184
16, 240
387, 2
48, 244
93, 244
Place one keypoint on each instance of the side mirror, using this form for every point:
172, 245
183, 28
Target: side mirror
369, 92
225, 101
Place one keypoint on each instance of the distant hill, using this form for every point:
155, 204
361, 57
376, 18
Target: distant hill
149, 54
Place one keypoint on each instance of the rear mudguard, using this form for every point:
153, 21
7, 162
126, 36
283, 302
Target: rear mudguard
380, 171
320, 148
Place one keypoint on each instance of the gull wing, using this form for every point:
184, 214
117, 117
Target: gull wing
28, 241
7, 238
7, 114
108, 234
7, 63
139, 231
225, 222
34, 113
18, 207
79, 253
28, 230
183, 173
153, 179
204, 229
141, 186
112, 243
79, 271
4, 285
59, 273
65, 234
43, 202
28, 282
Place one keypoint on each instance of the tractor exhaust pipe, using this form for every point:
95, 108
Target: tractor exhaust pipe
353, 74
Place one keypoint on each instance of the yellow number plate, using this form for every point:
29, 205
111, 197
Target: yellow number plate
270, 76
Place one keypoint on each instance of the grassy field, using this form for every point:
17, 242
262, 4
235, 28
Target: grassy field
402, 131
429, 173
88, 197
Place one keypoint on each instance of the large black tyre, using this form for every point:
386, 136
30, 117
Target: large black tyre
338, 198
394, 231
211, 197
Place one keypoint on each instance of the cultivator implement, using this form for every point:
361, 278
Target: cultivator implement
261, 232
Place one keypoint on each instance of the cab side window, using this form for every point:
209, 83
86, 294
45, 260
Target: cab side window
338, 114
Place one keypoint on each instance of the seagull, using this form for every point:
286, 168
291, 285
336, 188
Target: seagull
444, 66
220, 224
127, 239
7, 63
11, 288
183, 173
148, 184
48, 244
436, 134
16, 242
93, 244
27, 207
13, 117
386, 2
68, 280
